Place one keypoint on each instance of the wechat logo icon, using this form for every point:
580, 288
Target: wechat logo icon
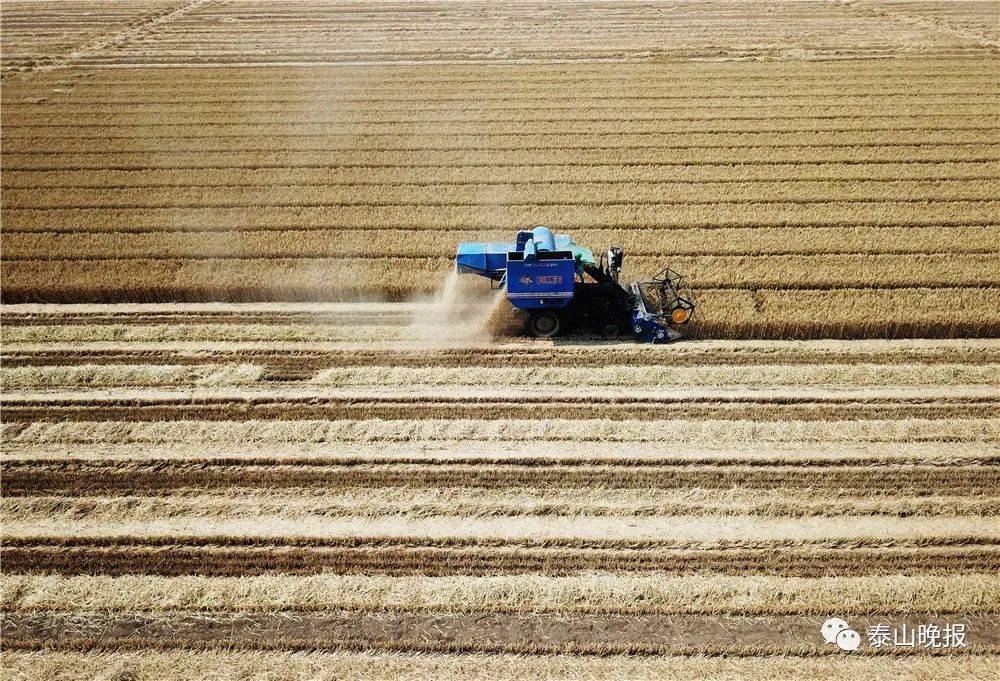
836, 630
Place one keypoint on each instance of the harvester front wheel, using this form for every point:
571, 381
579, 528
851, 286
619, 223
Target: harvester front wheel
544, 324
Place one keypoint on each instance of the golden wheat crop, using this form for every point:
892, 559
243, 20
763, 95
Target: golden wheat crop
204, 433
775, 186
651, 243
418, 502
351, 490
590, 592
118, 375
701, 530
371, 666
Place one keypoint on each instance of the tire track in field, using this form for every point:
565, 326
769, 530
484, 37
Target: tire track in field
188, 406
451, 632
235, 557
301, 362
98, 478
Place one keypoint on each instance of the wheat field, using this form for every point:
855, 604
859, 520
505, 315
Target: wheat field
240, 441
184, 479
836, 178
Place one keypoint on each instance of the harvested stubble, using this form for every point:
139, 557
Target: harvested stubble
421, 502
125, 375
130, 333
696, 530
852, 198
831, 375
758, 311
587, 592
689, 433
374, 666
758, 375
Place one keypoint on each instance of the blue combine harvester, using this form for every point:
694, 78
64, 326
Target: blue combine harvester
561, 286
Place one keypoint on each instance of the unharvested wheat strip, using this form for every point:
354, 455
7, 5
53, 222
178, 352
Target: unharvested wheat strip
731, 377
386, 243
637, 193
772, 405
501, 142
783, 313
127, 333
852, 270
354, 318
38, 110
28, 119
588, 592
541, 95
682, 432
889, 311
245, 127
130, 375
424, 274
401, 378
532, 452
584, 353
481, 94
42, 117
267, 51
55, 110
406, 176
673, 159
706, 530
303, 99
758, 271
501, 218
511, 399
302, 361
371, 666
228, 558
649, 634
891, 71
795, 78
423, 502
629, 86
289, 313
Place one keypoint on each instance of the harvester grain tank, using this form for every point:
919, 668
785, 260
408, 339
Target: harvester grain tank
561, 286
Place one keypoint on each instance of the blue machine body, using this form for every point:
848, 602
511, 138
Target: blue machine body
539, 268
543, 273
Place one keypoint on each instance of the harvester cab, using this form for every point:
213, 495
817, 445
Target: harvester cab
561, 286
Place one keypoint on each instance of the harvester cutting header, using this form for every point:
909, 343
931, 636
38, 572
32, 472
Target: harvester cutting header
561, 287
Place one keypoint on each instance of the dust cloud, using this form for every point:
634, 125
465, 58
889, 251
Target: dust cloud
464, 309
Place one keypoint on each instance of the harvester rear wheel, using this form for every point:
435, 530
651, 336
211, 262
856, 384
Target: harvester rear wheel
544, 324
610, 329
